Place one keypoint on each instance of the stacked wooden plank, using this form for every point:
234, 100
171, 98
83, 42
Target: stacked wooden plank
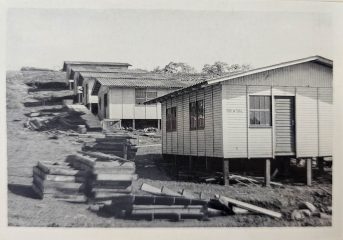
119, 144
58, 180
109, 176
159, 207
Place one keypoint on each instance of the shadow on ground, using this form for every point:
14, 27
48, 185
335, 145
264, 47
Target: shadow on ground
22, 190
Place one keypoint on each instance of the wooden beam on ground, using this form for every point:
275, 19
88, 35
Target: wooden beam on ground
226, 201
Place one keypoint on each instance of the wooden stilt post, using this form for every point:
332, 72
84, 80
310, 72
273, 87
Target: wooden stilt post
133, 124
226, 171
159, 124
190, 163
125, 151
320, 164
267, 173
309, 171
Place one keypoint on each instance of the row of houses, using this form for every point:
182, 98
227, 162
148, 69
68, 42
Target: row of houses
281, 111
116, 93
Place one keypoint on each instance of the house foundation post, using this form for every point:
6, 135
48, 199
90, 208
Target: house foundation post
309, 171
133, 124
159, 124
320, 164
267, 173
226, 171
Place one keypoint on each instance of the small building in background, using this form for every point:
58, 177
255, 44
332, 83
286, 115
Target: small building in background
277, 112
120, 99
73, 67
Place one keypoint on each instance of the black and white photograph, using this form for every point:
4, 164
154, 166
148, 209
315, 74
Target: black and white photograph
170, 117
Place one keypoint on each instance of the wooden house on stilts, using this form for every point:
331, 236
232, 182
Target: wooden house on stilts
255, 117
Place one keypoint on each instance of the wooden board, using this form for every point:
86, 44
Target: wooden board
49, 168
57, 178
115, 177
226, 201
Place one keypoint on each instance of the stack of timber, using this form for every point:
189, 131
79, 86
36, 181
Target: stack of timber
160, 207
164, 204
119, 144
58, 180
110, 176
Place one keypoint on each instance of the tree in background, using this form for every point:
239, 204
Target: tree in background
174, 67
220, 68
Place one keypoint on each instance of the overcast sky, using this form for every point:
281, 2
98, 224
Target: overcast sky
149, 38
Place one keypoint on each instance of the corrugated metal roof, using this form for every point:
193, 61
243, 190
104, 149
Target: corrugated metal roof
142, 82
126, 74
93, 63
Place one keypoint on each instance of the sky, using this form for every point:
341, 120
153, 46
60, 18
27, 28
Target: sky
149, 38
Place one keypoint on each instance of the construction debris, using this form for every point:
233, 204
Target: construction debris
229, 201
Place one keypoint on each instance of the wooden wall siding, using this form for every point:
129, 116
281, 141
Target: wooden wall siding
186, 132
123, 105
174, 133
201, 145
217, 121
179, 123
235, 122
196, 142
102, 91
169, 141
193, 134
208, 131
325, 121
128, 105
115, 109
306, 122
302, 75
163, 127
256, 147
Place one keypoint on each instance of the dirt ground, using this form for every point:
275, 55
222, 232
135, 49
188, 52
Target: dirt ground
26, 147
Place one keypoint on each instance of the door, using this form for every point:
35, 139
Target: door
284, 126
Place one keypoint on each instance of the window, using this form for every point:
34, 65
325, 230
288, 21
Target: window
171, 119
143, 95
140, 96
260, 111
105, 100
197, 115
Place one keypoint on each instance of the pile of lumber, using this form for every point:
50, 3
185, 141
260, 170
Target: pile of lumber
119, 144
110, 176
58, 180
160, 207
164, 203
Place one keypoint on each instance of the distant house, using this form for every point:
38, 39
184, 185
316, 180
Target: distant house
277, 112
72, 67
120, 99
85, 81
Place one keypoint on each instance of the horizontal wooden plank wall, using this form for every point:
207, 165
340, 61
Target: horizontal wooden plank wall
300, 75
306, 122
325, 121
217, 121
